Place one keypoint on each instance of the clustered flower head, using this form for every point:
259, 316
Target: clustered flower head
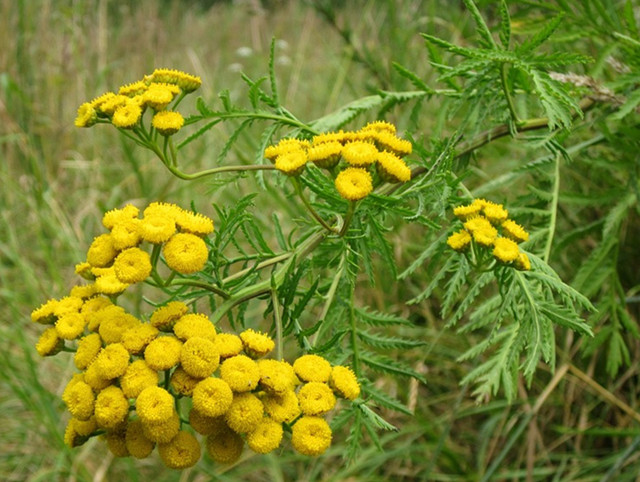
170, 381
359, 159
155, 92
487, 225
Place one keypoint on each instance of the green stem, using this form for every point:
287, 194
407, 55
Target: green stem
554, 209
261, 115
276, 279
347, 218
278, 322
307, 204
199, 284
504, 70
331, 295
209, 172
354, 332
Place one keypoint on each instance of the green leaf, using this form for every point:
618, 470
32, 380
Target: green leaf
345, 114
481, 26
384, 399
377, 318
540, 37
505, 25
412, 77
388, 342
385, 364
565, 317
198, 133
376, 419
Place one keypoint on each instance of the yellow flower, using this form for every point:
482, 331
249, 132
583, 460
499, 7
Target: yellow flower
111, 407
241, 373
482, 230
79, 400
182, 382
244, 413
316, 398
92, 306
379, 126
77, 431
185, 253
256, 344
45, 314
505, 249
495, 213
513, 230
88, 348
49, 343
127, 116
155, 405
133, 89
312, 368
70, 326
228, 344
325, 155
212, 397
194, 223
181, 452
107, 282
162, 432
102, 251
522, 262
354, 183
137, 444
164, 317
282, 407
392, 169
198, 357
94, 380
325, 137
158, 95
163, 210
285, 146
167, 122
225, 446
66, 305
87, 115
110, 104
116, 441
114, 324
136, 338
137, 377
126, 234
83, 291
186, 82
112, 361
291, 163
194, 324
206, 425
84, 270
344, 382
117, 216
266, 437
132, 265
163, 353
101, 99
390, 142
468, 211
359, 153
276, 376
459, 240
311, 435
157, 229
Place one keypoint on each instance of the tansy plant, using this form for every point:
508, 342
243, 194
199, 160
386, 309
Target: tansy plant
170, 378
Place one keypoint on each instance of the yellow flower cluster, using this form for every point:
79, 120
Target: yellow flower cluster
126, 108
487, 224
134, 375
115, 260
374, 150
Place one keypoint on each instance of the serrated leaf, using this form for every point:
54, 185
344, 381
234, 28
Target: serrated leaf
505, 25
198, 133
376, 419
333, 341
385, 364
481, 26
345, 114
203, 108
377, 318
565, 317
385, 400
412, 77
385, 342
541, 36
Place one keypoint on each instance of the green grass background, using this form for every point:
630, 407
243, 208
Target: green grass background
57, 180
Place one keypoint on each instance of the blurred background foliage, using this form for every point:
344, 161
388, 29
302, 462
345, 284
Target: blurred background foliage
579, 423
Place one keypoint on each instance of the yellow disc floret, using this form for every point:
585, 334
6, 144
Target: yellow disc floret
167, 122
266, 437
312, 368
181, 452
155, 405
256, 344
132, 265
225, 446
244, 413
316, 398
344, 382
241, 373
212, 397
185, 253
198, 357
311, 435
354, 183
